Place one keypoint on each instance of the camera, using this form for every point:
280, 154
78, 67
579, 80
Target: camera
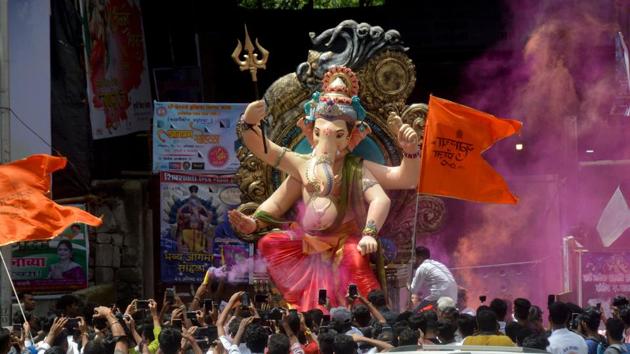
191, 315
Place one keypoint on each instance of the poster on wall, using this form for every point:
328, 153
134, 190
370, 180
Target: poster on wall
603, 276
118, 85
194, 229
57, 265
198, 137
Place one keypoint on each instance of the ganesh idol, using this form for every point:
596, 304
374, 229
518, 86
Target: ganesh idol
341, 197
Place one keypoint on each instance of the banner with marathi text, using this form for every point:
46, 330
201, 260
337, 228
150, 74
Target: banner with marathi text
195, 137
57, 265
195, 231
604, 275
119, 90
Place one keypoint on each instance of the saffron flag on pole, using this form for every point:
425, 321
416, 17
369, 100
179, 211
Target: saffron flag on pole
26, 212
455, 136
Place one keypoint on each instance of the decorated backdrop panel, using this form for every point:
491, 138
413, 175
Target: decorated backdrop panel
195, 232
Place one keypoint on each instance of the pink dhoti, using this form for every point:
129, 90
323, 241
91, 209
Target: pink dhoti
300, 264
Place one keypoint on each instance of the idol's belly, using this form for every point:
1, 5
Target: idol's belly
320, 213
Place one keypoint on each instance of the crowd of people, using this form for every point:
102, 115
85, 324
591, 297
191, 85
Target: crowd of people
261, 324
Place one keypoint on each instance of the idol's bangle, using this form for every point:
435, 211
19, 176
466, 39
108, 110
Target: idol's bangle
414, 155
243, 123
369, 231
280, 156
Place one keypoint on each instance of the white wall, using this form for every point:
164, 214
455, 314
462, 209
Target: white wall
29, 75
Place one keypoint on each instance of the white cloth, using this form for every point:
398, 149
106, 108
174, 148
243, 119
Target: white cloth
233, 349
73, 347
563, 341
434, 280
502, 326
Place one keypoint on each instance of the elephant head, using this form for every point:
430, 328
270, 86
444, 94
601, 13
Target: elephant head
333, 126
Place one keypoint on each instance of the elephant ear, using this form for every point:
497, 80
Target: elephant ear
360, 131
307, 129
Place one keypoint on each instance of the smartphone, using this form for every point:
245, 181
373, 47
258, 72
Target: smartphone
212, 333
245, 300
322, 297
482, 298
551, 298
202, 333
170, 295
17, 327
260, 298
191, 315
177, 323
72, 323
142, 304
203, 344
208, 305
352, 290
599, 306
293, 311
574, 321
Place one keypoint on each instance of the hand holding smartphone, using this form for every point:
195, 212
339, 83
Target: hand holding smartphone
353, 291
142, 304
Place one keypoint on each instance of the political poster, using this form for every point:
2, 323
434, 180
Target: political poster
604, 275
57, 265
195, 137
118, 86
195, 232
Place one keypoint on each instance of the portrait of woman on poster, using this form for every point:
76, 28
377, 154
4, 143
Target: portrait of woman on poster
66, 268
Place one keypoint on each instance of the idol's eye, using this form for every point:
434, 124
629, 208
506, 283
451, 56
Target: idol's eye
317, 132
340, 134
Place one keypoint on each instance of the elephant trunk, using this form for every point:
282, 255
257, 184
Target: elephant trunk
321, 165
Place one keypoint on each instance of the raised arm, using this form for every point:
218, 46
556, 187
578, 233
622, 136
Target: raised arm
406, 175
276, 156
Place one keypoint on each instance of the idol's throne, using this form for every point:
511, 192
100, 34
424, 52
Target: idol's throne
387, 77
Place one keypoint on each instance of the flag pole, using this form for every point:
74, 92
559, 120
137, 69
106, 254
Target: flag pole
16, 296
412, 260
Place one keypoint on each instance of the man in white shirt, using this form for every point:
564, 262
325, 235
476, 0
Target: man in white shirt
432, 278
563, 341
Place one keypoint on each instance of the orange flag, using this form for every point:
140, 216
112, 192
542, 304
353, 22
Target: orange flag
26, 213
455, 136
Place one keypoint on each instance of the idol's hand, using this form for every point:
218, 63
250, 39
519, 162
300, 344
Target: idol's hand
367, 245
241, 222
408, 139
255, 112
